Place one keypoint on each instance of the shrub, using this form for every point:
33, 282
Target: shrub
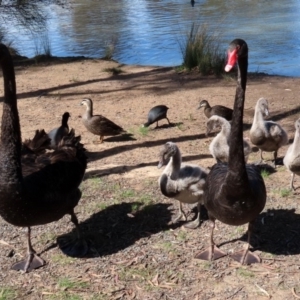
201, 50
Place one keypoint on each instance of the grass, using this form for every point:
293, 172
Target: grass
182, 235
109, 50
42, 47
244, 273
66, 283
180, 126
114, 70
7, 293
201, 50
63, 259
264, 173
285, 192
143, 130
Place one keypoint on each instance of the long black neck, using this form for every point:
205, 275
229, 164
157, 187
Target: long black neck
236, 161
10, 148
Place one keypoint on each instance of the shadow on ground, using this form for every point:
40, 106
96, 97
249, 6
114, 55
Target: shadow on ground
276, 231
121, 225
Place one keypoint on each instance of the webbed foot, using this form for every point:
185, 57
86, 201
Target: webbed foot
32, 262
211, 253
193, 224
246, 257
180, 217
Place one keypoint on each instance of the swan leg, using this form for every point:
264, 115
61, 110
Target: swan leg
212, 252
194, 224
156, 124
261, 155
33, 261
74, 247
245, 256
100, 141
292, 182
275, 157
168, 121
181, 215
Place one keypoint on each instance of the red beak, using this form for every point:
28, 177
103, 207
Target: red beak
232, 58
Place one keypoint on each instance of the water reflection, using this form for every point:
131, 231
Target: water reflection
149, 32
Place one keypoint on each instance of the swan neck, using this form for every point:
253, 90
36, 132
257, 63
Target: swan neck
296, 142
258, 115
236, 161
10, 149
174, 165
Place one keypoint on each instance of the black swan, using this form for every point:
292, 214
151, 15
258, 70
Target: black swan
183, 182
98, 124
292, 157
218, 110
234, 193
58, 133
266, 135
156, 114
36, 188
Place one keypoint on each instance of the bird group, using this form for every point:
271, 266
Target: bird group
40, 177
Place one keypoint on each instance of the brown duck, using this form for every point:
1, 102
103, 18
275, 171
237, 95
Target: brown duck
36, 188
218, 110
234, 193
98, 124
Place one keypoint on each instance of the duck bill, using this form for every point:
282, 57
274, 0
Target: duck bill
207, 132
232, 58
160, 164
266, 112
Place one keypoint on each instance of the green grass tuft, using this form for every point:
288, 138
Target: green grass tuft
285, 192
201, 50
264, 173
144, 130
114, 70
7, 293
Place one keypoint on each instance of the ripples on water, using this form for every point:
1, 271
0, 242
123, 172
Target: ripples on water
149, 32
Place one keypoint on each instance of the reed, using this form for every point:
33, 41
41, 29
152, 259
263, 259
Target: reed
202, 51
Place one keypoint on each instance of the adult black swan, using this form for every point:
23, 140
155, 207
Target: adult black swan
36, 188
234, 193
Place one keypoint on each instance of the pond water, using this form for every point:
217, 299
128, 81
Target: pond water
149, 32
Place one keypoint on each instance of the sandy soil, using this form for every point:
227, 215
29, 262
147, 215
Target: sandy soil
135, 252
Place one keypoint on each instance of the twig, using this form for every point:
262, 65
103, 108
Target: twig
262, 290
232, 295
294, 293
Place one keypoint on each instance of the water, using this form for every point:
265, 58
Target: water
149, 32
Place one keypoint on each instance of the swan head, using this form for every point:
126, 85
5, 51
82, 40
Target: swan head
262, 106
215, 123
167, 151
203, 103
238, 48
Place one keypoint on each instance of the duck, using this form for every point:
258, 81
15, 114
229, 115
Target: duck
156, 114
219, 146
218, 110
98, 124
292, 157
37, 187
183, 182
58, 133
234, 192
268, 136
